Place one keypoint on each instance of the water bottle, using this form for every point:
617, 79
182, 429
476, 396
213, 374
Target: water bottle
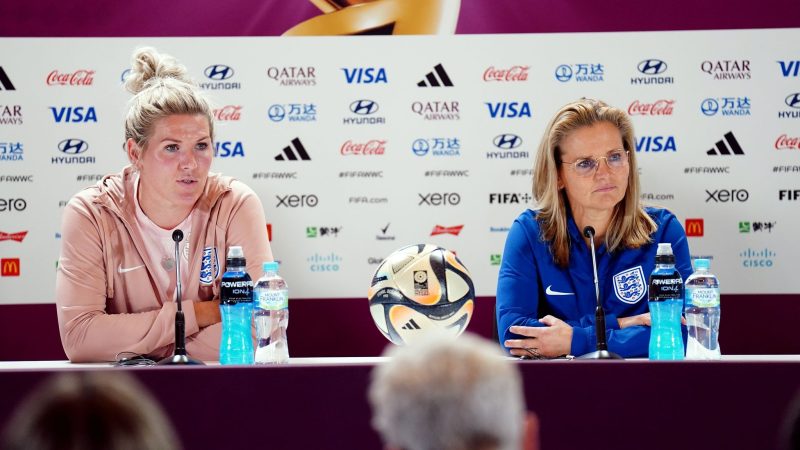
272, 317
236, 306
666, 304
702, 313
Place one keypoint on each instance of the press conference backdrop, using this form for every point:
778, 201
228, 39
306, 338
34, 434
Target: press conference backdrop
359, 146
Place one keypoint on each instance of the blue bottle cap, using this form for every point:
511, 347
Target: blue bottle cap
270, 266
701, 263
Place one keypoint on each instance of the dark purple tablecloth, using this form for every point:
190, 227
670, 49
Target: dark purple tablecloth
625, 405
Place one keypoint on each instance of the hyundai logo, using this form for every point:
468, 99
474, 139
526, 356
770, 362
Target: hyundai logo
218, 72
276, 113
73, 146
125, 74
709, 107
652, 66
793, 100
420, 147
507, 141
364, 107
563, 73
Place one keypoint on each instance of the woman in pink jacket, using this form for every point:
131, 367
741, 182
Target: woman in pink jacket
115, 287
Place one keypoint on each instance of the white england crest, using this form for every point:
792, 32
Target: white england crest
629, 285
209, 266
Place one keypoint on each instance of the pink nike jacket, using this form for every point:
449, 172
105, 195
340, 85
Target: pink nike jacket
105, 308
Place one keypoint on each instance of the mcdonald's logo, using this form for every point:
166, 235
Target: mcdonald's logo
694, 227
9, 267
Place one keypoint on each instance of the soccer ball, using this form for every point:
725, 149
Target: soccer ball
420, 288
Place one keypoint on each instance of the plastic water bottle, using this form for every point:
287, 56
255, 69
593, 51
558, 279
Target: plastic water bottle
272, 317
236, 306
702, 313
666, 304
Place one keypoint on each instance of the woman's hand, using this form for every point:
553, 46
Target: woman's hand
639, 319
207, 313
551, 341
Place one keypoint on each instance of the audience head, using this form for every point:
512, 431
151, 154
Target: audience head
90, 411
447, 393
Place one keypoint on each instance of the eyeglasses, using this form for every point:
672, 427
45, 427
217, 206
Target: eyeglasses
584, 167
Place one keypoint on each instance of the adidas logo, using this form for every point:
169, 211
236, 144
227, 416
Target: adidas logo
299, 152
411, 325
733, 146
5, 82
436, 78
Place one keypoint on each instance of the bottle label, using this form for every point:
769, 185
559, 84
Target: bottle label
273, 300
235, 290
702, 297
665, 288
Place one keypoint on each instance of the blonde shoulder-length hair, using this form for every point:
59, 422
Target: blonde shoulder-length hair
630, 225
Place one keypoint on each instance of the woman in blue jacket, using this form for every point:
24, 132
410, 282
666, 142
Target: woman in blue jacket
585, 174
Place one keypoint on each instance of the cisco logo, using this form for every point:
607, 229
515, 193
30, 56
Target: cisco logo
330, 262
757, 259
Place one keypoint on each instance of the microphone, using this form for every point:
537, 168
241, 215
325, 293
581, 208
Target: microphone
599, 315
179, 357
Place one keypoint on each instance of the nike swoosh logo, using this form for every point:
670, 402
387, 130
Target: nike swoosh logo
121, 270
549, 291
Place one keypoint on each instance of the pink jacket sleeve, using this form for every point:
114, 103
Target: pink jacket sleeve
247, 227
88, 333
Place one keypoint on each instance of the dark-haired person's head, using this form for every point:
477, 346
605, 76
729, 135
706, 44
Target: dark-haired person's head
89, 411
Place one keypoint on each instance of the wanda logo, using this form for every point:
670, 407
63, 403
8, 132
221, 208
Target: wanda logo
513, 73
785, 142
228, 113
80, 77
657, 108
371, 147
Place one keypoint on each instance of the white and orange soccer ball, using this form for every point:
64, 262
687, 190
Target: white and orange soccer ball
420, 288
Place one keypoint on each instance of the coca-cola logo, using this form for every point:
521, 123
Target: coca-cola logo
228, 113
513, 73
371, 147
657, 108
80, 77
785, 142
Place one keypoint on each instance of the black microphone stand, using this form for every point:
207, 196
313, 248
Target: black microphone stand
179, 357
599, 315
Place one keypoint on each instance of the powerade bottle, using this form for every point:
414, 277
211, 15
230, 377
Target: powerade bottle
236, 306
702, 313
272, 316
666, 304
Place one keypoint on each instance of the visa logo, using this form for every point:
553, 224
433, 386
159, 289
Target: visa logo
509, 110
227, 149
74, 114
656, 144
369, 75
790, 68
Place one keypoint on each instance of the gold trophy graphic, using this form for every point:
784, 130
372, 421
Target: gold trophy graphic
353, 17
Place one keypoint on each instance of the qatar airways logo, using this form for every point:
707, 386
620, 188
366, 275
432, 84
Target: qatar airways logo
228, 113
369, 148
513, 73
657, 108
784, 142
81, 77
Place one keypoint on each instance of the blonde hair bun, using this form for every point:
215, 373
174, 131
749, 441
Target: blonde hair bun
148, 67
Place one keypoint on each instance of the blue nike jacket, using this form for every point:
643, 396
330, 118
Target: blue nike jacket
531, 285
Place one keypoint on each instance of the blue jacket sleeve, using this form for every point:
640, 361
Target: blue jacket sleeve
517, 284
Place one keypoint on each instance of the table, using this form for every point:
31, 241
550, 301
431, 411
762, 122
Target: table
320, 403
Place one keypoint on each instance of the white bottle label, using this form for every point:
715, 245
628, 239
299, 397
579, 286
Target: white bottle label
702, 297
273, 300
